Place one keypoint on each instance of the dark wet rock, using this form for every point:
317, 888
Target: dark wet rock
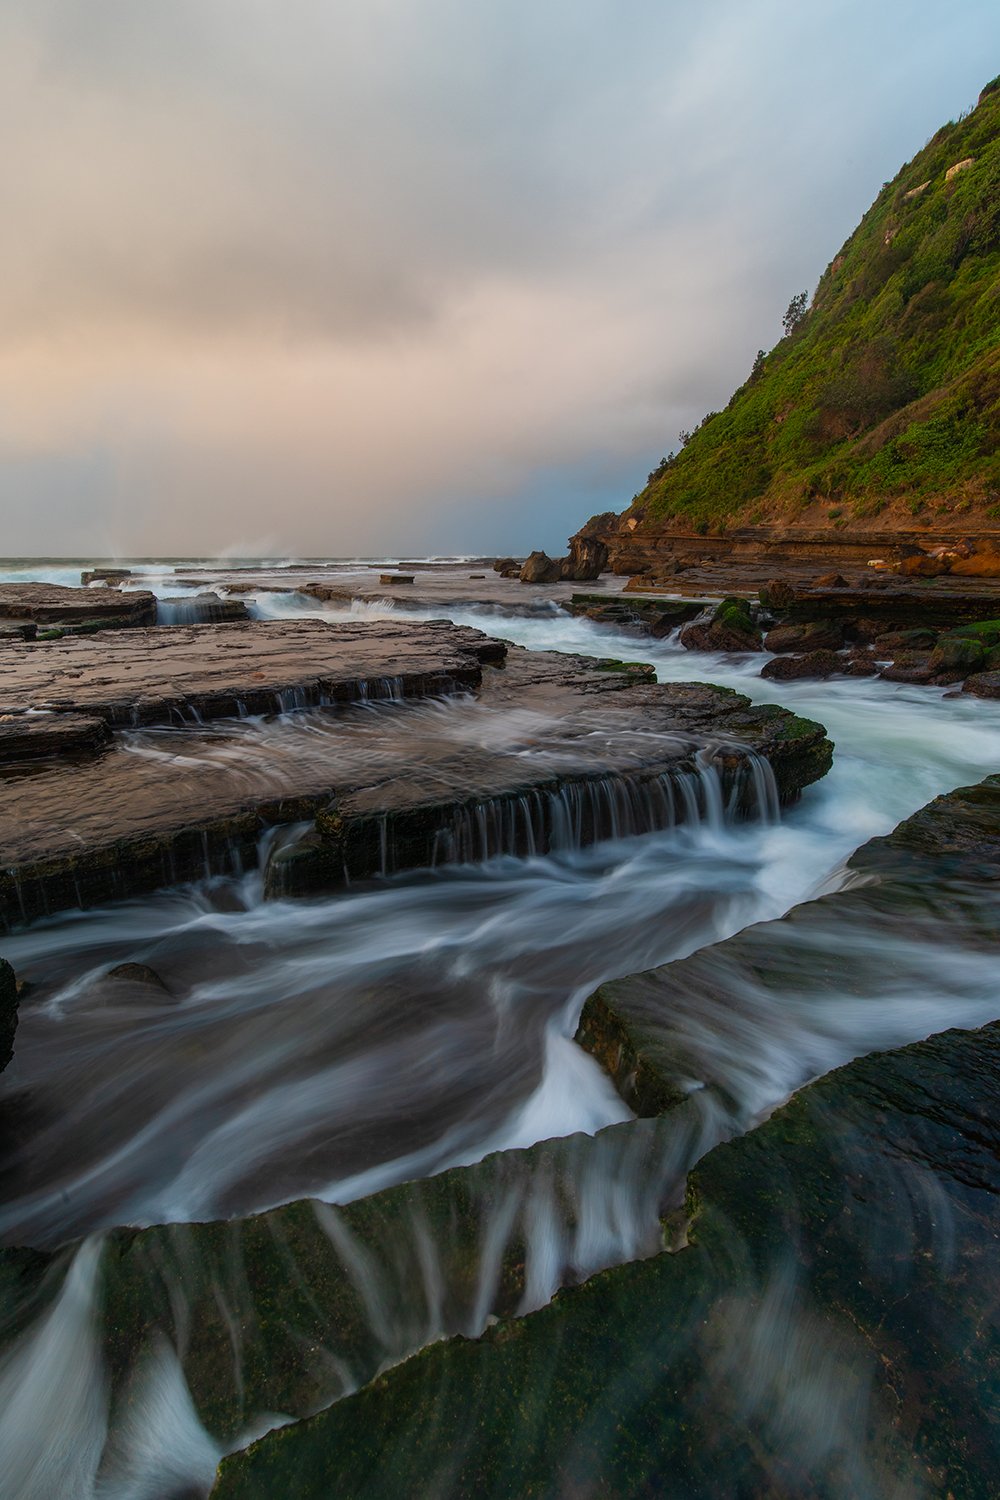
908, 666
26, 631
983, 684
729, 626
8, 1012
891, 642
177, 672
859, 663
386, 800
134, 973
826, 1326
941, 865
778, 594
113, 576
505, 564
955, 657
52, 604
812, 664
655, 617
202, 609
28, 737
540, 568
130, 984
814, 635
320, 1297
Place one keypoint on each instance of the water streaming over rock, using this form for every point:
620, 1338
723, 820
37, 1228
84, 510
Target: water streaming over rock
337, 1047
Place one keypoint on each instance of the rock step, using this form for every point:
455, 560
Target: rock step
178, 672
54, 604
287, 1310
555, 751
661, 1033
826, 1326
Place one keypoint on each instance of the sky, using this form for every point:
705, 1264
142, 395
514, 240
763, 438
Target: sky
351, 277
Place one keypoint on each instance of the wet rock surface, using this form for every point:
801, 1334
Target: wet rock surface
553, 747
28, 737
185, 672
54, 604
323, 1296
936, 872
772, 1353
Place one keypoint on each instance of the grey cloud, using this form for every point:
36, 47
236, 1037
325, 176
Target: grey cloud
408, 259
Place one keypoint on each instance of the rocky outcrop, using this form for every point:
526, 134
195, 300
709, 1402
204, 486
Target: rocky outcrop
123, 822
540, 568
181, 673
53, 605
587, 560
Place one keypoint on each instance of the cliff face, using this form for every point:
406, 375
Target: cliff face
880, 411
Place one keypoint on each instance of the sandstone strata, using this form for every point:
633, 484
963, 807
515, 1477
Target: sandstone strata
601, 752
53, 605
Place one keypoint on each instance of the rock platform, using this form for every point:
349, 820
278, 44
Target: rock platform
553, 750
53, 604
188, 673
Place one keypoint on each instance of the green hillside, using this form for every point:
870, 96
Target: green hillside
885, 398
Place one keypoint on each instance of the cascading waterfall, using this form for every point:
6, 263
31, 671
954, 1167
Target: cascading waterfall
588, 811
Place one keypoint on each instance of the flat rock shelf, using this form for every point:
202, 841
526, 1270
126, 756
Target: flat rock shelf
550, 750
186, 673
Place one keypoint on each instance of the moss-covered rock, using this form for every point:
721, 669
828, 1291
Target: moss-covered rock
832, 1328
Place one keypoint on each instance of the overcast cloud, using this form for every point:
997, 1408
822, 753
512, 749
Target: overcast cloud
337, 276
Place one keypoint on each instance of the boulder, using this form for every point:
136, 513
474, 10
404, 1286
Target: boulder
813, 664
955, 657
540, 568
729, 626
815, 635
983, 684
830, 581
778, 594
916, 563
587, 560
859, 663
503, 565
908, 666
893, 641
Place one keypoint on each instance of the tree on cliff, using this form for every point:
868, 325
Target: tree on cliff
795, 312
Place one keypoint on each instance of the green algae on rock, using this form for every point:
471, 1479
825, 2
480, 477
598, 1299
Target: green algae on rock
830, 1328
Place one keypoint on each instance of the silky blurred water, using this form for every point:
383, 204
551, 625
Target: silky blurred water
337, 1046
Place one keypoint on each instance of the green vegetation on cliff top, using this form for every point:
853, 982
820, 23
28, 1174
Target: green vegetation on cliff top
886, 394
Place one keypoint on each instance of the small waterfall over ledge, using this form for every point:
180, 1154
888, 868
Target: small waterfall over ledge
712, 786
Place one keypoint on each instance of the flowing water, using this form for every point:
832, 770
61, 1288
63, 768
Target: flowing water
336, 1047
